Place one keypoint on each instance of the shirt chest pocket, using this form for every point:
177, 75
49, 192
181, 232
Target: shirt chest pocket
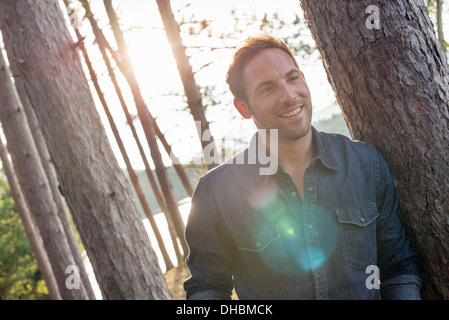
264, 254
357, 226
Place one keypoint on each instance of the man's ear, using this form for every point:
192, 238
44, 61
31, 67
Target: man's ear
242, 108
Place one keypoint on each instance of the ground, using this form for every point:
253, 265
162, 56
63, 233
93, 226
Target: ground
175, 278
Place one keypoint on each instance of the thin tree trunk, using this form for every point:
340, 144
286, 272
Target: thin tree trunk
179, 169
101, 45
148, 127
176, 163
194, 99
35, 184
96, 190
392, 83
30, 229
439, 14
131, 172
51, 175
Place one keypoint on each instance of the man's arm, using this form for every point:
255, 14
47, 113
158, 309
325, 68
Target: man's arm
208, 260
399, 275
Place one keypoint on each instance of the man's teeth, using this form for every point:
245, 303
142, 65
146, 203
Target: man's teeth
291, 113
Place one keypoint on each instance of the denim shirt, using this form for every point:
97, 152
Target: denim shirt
255, 233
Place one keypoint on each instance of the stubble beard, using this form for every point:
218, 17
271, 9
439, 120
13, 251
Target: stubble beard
302, 128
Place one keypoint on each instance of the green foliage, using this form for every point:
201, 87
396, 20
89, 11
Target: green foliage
20, 277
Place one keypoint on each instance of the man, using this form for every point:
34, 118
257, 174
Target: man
323, 225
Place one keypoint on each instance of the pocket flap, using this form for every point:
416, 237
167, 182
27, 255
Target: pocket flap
258, 239
360, 215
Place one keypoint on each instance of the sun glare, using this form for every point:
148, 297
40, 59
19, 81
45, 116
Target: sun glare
153, 62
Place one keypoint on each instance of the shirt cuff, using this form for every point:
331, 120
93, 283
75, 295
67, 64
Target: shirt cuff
208, 295
402, 287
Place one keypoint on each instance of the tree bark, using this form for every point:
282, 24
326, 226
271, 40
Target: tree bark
28, 224
34, 182
194, 99
50, 173
392, 84
96, 189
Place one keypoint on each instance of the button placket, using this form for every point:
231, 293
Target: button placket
311, 235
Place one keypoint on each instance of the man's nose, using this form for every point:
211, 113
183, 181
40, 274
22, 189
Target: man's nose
288, 92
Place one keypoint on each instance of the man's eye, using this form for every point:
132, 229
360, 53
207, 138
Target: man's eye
266, 90
293, 78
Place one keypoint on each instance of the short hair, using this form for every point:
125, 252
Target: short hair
245, 52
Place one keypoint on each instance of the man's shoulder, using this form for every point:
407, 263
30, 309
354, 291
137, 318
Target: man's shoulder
339, 141
347, 151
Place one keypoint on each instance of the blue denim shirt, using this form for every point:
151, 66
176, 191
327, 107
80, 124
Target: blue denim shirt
255, 233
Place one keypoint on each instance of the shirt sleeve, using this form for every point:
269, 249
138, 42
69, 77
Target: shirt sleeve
399, 275
209, 259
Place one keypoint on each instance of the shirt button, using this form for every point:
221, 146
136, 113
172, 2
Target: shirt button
294, 194
309, 189
362, 220
258, 244
310, 226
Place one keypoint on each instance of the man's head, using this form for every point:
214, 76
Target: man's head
247, 50
269, 87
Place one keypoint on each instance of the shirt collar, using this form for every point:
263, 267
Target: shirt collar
324, 150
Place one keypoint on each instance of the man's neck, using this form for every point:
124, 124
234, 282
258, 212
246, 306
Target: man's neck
296, 154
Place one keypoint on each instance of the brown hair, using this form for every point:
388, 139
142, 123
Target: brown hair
245, 52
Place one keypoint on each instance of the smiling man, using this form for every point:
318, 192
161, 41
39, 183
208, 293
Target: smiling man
316, 225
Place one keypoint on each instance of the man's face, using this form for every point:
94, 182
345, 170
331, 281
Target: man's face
277, 95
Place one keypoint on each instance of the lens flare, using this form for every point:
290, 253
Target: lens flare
298, 243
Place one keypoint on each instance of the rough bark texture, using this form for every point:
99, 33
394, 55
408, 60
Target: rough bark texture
50, 172
96, 189
392, 86
34, 182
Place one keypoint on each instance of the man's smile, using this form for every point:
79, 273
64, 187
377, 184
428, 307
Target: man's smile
291, 113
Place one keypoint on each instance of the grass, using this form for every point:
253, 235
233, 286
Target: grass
175, 278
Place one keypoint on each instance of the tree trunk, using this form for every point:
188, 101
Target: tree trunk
148, 128
391, 80
194, 99
439, 15
34, 182
28, 224
131, 172
95, 188
51, 174
133, 177
100, 38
